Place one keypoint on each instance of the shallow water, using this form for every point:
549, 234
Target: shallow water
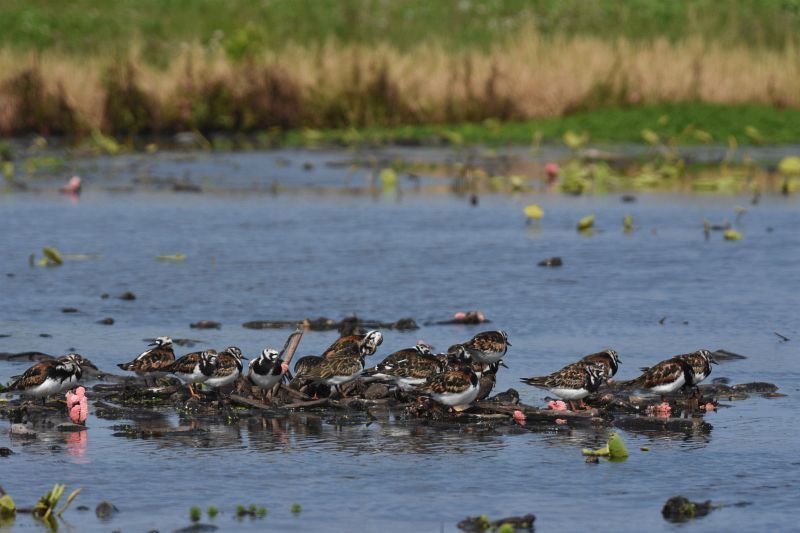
253, 254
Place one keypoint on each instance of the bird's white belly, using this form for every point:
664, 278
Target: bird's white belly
338, 380
570, 394
194, 377
457, 399
222, 381
49, 387
265, 382
670, 387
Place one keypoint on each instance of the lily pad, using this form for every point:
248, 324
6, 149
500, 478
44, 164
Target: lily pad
627, 223
171, 257
52, 255
789, 166
614, 449
732, 235
388, 178
586, 223
534, 212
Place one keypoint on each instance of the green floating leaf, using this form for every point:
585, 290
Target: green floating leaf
296, 508
52, 255
105, 143
627, 223
534, 211
388, 178
754, 135
732, 235
72, 496
789, 165
703, 136
172, 257
586, 223
614, 449
7, 507
575, 140
650, 137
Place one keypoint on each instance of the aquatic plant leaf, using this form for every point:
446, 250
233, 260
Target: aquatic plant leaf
7, 507
703, 136
534, 211
753, 134
72, 496
388, 178
104, 143
627, 223
52, 255
789, 165
171, 257
8, 169
650, 137
600, 452
732, 235
616, 447
575, 140
585, 223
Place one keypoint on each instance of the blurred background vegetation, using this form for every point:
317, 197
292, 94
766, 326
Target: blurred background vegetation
394, 68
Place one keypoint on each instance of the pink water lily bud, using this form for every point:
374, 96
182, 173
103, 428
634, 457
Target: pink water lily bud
663, 410
77, 405
519, 417
461, 315
557, 405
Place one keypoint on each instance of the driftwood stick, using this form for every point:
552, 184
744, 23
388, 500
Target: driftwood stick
248, 402
291, 346
296, 393
312, 403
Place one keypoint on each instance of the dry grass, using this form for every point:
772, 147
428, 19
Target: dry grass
335, 85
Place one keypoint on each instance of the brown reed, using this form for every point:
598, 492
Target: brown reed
337, 85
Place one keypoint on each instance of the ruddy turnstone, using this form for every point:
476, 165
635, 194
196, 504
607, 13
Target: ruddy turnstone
488, 378
335, 370
407, 368
149, 363
228, 369
267, 370
488, 346
608, 358
575, 381
195, 367
457, 387
700, 363
50, 377
366, 344
665, 377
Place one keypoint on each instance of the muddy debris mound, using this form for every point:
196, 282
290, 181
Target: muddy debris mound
479, 524
680, 509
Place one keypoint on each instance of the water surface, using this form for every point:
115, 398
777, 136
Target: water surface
253, 254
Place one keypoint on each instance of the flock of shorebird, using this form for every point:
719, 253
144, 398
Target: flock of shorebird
457, 378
